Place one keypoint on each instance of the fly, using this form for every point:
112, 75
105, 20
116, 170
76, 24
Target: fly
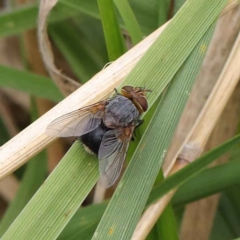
105, 129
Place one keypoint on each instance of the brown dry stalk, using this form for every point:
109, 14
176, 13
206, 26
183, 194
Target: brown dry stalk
64, 83
57, 149
215, 104
9, 187
231, 4
10, 56
7, 117
20, 98
9, 53
99, 193
33, 139
153, 212
198, 136
195, 220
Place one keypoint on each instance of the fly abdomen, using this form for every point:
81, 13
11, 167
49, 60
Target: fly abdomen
92, 140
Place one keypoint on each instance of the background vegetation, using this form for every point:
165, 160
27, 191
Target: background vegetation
198, 50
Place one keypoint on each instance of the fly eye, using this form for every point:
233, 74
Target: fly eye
142, 103
127, 91
127, 88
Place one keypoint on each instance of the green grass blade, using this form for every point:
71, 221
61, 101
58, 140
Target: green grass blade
171, 49
13, 22
163, 11
58, 199
32, 180
24, 18
234, 195
130, 20
133, 190
34, 176
75, 49
95, 211
111, 29
226, 224
208, 182
73, 178
166, 225
153, 235
83, 223
33, 84
228, 211
177, 5
145, 11
92, 29
187, 172
220, 230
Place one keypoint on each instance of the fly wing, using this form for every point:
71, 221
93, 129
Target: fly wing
112, 154
78, 122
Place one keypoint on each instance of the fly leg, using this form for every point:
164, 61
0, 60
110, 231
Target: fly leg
138, 123
116, 91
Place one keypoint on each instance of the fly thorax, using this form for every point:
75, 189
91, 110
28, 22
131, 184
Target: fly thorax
120, 112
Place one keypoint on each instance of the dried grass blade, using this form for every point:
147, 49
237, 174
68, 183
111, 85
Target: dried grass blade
64, 83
